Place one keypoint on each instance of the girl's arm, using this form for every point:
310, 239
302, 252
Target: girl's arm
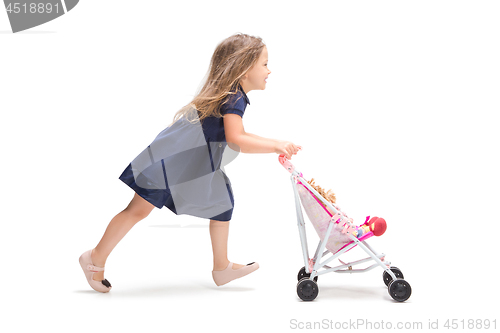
251, 143
259, 137
246, 142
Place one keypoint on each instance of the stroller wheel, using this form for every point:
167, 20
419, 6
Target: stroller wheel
387, 278
302, 274
307, 289
399, 290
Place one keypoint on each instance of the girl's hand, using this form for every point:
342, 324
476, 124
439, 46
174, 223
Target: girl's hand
287, 148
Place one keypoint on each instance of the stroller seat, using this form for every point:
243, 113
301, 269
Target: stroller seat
320, 217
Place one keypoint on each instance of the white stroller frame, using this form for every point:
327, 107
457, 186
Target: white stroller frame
401, 292
378, 258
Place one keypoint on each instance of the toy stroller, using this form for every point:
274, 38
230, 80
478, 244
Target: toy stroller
338, 235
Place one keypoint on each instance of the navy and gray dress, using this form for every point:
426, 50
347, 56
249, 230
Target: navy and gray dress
182, 169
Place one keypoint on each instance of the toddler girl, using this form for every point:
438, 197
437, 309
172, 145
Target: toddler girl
181, 168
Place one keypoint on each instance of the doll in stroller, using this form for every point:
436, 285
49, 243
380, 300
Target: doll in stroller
338, 234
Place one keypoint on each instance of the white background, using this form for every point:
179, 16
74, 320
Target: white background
396, 106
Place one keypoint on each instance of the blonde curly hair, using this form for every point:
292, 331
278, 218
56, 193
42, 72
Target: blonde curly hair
329, 195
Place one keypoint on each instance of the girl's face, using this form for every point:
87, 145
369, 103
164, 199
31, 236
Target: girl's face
255, 78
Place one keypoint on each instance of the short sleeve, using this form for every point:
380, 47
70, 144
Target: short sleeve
236, 104
235, 111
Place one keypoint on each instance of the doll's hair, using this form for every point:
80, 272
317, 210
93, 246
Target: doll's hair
329, 196
232, 58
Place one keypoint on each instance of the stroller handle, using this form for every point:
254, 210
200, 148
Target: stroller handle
285, 162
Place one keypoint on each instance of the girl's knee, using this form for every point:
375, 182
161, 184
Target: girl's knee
136, 214
139, 208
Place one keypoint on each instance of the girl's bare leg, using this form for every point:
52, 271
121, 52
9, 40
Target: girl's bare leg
219, 232
119, 226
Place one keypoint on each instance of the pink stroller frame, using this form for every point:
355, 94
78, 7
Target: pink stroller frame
336, 235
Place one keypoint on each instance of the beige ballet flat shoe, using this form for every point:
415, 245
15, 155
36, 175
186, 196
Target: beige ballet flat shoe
230, 274
89, 269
